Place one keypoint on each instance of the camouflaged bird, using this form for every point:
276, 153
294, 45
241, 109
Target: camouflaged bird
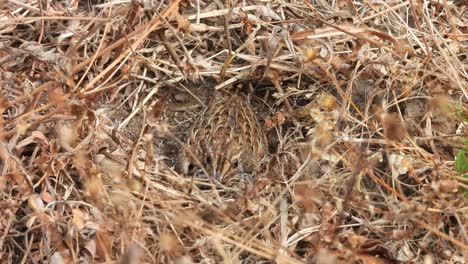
227, 140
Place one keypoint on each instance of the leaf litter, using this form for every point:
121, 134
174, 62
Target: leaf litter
363, 103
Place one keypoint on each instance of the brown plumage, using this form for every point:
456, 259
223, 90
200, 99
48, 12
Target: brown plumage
226, 138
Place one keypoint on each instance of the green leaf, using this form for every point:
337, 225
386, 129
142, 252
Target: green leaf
465, 192
461, 162
464, 140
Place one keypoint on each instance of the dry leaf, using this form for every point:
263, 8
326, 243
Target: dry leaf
94, 187
3, 104
57, 258
21, 181
68, 135
393, 128
35, 202
47, 197
113, 169
250, 45
305, 195
169, 244
183, 23
36, 136
310, 52
56, 95
447, 186
38, 51
91, 247
265, 10
30, 221
280, 118
133, 185
269, 123
327, 102
22, 127
156, 112
78, 219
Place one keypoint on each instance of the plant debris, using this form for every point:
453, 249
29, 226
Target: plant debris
363, 105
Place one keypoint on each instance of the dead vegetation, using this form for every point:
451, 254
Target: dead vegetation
363, 104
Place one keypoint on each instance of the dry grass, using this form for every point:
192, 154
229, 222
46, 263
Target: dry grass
364, 102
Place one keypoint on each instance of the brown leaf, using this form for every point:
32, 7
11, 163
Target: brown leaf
183, 23
447, 186
22, 127
133, 185
57, 258
250, 45
94, 187
170, 245
310, 52
323, 135
35, 203
56, 95
47, 197
113, 169
364, 33
36, 136
393, 128
3, 104
404, 47
342, 3
269, 123
21, 181
78, 111
246, 22
39, 52
91, 247
280, 118
156, 112
328, 102
304, 195
78, 219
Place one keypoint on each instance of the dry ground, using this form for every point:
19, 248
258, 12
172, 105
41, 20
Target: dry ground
364, 104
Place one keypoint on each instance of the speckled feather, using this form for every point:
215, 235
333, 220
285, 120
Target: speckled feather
227, 138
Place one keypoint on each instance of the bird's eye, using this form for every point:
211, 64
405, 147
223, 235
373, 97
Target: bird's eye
235, 163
